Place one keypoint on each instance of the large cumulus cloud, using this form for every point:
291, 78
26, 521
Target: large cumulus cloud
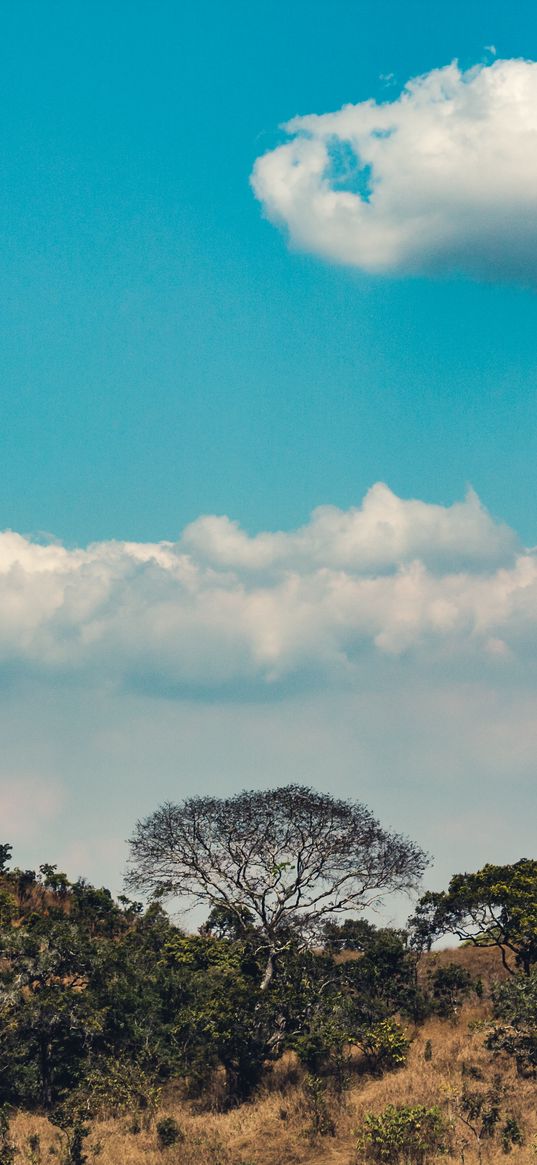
219, 609
442, 179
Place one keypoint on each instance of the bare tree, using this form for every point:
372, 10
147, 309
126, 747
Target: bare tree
287, 858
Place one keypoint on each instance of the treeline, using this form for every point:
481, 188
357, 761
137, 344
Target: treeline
104, 1003
105, 1000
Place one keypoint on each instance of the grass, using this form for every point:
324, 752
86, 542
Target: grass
275, 1129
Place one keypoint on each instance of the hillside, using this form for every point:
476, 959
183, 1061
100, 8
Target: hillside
275, 1127
124, 1039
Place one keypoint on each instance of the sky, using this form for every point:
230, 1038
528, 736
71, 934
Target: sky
269, 420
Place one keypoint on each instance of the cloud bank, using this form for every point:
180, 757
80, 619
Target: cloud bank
443, 179
218, 609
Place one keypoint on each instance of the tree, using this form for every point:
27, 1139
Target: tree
222, 1019
497, 906
289, 858
48, 1017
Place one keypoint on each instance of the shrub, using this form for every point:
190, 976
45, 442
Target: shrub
409, 1133
322, 1123
33, 1144
169, 1132
74, 1149
511, 1134
7, 1148
113, 1087
385, 1046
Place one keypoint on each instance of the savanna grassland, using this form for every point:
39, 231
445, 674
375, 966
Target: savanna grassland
125, 1039
275, 1127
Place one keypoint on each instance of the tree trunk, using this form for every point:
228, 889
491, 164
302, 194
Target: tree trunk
269, 971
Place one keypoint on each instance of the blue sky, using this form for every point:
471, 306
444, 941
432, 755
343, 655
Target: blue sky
175, 345
162, 352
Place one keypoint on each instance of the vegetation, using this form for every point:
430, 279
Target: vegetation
515, 1006
497, 906
117, 1028
280, 861
403, 1132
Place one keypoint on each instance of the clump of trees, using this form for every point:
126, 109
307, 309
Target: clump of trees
103, 1002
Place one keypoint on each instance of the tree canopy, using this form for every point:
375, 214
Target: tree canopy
281, 861
496, 906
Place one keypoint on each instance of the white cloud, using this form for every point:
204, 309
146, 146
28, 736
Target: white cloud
442, 179
220, 610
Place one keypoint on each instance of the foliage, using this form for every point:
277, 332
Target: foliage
409, 1133
497, 906
103, 1003
479, 1109
74, 1144
388, 973
49, 1020
385, 1046
322, 1123
354, 934
7, 1148
450, 985
5, 857
114, 1086
511, 1134
515, 1003
222, 1020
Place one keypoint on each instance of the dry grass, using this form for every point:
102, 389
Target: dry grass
483, 963
274, 1130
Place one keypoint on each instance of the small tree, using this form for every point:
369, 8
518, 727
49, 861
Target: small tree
285, 859
497, 906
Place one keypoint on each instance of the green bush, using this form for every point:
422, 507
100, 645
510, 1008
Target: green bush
169, 1132
385, 1046
409, 1133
